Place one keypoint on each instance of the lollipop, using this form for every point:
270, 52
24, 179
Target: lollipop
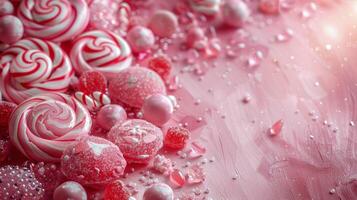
31, 67
43, 126
54, 20
100, 51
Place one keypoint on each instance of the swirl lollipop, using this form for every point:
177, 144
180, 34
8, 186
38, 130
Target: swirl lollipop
100, 51
54, 20
43, 126
31, 67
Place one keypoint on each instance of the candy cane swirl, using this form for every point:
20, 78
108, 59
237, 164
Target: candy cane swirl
100, 51
55, 20
43, 126
208, 7
31, 67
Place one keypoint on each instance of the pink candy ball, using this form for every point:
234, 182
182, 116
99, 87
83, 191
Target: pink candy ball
235, 13
195, 35
140, 39
163, 23
6, 8
11, 29
70, 190
157, 109
159, 191
109, 115
133, 85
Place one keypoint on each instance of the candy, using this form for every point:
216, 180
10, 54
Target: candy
163, 23
177, 178
43, 126
116, 191
176, 137
124, 13
32, 66
110, 115
195, 174
91, 81
157, 109
93, 101
159, 191
19, 183
162, 164
70, 190
161, 65
134, 85
11, 29
140, 39
100, 51
5, 148
269, 6
6, 8
235, 13
138, 139
6, 109
196, 38
93, 161
207, 7
53, 20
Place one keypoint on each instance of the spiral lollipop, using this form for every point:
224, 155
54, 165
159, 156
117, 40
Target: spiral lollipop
31, 67
43, 126
100, 51
54, 20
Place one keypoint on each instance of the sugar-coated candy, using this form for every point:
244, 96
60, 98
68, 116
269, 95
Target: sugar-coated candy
11, 29
132, 86
19, 183
70, 190
235, 13
116, 191
159, 191
5, 148
93, 161
176, 137
138, 139
110, 115
91, 81
101, 51
54, 20
31, 67
157, 109
140, 39
207, 7
161, 65
163, 23
6, 109
6, 8
43, 126
162, 164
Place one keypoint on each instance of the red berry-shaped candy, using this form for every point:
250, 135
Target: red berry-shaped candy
91, 81
19, 183
161, 65
93, 161
116, 191
176, 137
6, 109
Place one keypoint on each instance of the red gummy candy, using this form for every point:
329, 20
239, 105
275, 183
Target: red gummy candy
6, 109
176, 137
161, 65
116, 191
91, 81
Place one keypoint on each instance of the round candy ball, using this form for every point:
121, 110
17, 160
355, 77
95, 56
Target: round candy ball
138, 139
235, 13
70, 190
195, 35
163, 23
140, 39
93, 161
11, 29
159, 191
6, 8
157, 109
133, 85
109, 115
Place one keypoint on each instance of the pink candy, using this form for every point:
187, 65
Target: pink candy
110, 115
235, 13
163, 23
141, 39
157, 109
70, 190
159, 191
11, 29
6, 8
139, 140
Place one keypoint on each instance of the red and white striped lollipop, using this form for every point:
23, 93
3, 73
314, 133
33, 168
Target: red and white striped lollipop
43, 126
101, 51
31, 67
54, 20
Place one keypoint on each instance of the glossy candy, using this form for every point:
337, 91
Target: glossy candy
140, 39
11, 29
176, 137
157, 109
207, 7
235, 13
110, 115
70, 190
163, 23
159, 191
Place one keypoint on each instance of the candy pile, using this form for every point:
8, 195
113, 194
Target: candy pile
72, 69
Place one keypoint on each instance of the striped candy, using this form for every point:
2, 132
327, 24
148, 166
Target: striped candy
94, 101
31, 67
124, 12
43, 126
207, 7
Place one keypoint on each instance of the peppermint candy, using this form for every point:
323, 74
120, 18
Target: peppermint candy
54, 20
207, 7
31, 67
94, 101
124, 12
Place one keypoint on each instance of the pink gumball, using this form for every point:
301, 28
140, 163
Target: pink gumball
110, 115
195, 36
140, 39
11, 29
6, 8
159, 191
70, 190
157, 109
235, 13
163, 23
